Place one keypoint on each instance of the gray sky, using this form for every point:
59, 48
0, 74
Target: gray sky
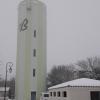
73, 30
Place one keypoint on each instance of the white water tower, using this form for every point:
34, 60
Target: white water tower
31, 50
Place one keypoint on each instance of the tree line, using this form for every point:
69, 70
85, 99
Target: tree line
11, 85
88, 68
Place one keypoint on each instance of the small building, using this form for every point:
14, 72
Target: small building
79, 89
2, 91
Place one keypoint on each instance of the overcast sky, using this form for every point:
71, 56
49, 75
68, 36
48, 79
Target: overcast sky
73, 30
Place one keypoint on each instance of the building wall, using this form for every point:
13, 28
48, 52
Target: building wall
32, 20
61, 97
81, 93
74, 93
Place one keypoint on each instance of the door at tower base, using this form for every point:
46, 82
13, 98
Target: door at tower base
33, 95
31, 50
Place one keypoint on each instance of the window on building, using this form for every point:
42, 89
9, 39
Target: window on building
51, 94
34, 52
34, 33
64, 94
54, 94
33, 72
58, 94
46, 95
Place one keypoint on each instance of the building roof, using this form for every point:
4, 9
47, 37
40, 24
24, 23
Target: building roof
3, 89
82, 82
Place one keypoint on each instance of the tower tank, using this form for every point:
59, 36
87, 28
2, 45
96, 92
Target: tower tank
31, 50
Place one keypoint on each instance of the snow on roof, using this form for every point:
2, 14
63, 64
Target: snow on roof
3, 89
85, 82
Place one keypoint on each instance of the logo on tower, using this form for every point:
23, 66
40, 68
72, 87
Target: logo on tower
24, 25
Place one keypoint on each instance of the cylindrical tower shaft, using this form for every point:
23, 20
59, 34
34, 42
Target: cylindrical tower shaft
31, 50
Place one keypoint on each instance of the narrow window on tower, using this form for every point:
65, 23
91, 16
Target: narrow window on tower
34, 33
34, 53
33, 72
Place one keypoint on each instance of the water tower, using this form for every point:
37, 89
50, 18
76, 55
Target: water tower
31, 50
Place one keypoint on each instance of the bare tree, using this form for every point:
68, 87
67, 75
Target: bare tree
12, 88
59, 74
90, 66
